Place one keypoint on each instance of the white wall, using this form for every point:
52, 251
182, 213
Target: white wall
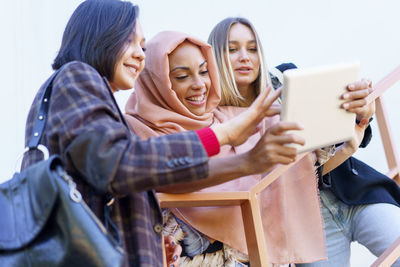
308, 32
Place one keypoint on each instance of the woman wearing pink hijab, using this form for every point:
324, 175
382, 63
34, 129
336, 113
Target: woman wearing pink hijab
179, 90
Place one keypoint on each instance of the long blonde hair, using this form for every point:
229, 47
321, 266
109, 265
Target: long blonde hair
230, 95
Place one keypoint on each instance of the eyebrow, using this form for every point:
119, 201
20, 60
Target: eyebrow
251, 41
187, 68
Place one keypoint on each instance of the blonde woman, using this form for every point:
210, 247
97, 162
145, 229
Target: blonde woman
344, 190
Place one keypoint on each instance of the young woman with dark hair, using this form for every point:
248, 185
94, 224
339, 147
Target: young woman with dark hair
99, 45
102, 52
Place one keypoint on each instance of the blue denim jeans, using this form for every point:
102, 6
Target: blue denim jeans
376, 226
196, 243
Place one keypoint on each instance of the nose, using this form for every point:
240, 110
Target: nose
198, 83
243, 55
138, 52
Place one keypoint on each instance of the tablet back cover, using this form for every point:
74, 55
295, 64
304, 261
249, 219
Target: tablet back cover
312, 97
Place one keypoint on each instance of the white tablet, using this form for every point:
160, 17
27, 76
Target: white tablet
312, 97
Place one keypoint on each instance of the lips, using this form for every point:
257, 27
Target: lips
132, 68
244, 69
197, 100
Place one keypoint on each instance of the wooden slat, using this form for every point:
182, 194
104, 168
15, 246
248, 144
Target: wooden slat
384, 84
272, 176
254, 232
392, 173
202, 199
387, 139
389, 256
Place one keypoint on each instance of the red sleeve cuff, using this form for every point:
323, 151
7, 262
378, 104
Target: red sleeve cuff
209, 141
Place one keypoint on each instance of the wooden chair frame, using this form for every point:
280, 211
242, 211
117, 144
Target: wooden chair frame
248, 201
393, 252
249, 204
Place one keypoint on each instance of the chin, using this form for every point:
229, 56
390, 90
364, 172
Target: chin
246, 81
129, 85
126, 87
199, 112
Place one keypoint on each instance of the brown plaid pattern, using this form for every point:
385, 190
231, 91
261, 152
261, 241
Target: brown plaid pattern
86, 129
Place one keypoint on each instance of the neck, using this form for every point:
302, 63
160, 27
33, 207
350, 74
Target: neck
249, 94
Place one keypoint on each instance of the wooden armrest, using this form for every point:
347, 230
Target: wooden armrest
202, 199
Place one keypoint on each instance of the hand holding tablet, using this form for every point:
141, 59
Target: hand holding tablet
312, 98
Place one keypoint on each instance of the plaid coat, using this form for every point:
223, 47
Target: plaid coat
86, 129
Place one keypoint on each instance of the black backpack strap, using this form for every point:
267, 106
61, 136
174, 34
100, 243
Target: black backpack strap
41, 116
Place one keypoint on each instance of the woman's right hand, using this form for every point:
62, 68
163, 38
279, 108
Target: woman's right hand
236, 131
273, 147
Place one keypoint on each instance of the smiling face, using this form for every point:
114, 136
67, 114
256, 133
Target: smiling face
243, 56
189, 77
131, 63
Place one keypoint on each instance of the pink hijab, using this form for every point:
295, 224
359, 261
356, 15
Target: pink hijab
154, 109
290, 206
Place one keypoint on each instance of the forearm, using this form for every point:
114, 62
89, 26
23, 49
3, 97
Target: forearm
221, 170
270, 150
343, 152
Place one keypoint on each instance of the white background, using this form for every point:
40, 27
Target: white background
308, 33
